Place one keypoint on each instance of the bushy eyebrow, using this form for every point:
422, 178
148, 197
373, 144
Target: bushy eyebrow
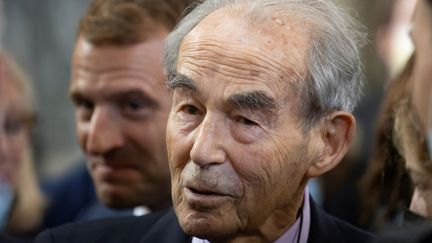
254, 100
180, 81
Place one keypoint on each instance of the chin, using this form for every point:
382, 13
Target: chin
204, 225
116, 199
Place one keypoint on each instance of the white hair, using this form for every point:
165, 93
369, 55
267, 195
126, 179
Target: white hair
334, 77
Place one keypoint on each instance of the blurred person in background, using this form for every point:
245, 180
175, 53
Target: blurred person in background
412, 145
420, 170
385, 187
121, 102
118, 89
392, 42
421, 112
21, 202
345, 200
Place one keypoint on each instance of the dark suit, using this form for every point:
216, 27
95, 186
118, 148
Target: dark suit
163, 227
73, 198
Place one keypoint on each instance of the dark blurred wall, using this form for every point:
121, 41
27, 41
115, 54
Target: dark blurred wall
41, 35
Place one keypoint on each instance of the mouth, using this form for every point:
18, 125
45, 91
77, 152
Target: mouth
113, 172
204, 199
204, 192
111, 164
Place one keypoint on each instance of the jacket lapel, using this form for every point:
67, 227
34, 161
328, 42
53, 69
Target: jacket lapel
322, 227
166, 230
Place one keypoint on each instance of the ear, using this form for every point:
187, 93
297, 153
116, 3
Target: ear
337, 132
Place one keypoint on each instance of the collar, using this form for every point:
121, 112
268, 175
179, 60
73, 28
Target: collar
298, 232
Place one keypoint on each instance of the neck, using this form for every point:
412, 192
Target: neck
276, 224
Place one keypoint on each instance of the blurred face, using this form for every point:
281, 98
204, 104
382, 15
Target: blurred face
422, 86
122, 107
237, 153
14, 128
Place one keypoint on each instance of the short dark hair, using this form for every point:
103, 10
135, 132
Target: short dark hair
124, 22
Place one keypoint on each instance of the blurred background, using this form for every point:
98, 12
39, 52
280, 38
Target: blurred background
41, 35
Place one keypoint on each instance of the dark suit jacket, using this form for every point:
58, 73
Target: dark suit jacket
163, 227
73, 198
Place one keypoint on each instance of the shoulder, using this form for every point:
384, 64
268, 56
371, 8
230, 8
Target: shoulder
74, 191
351, 233
124, 229
326, 228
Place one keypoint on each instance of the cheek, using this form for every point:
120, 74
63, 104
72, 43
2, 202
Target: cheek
150, 137
81, 130
259, 170
16, 154
178, 145
19, 147
274, 168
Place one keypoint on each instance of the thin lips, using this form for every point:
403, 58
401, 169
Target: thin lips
205, 190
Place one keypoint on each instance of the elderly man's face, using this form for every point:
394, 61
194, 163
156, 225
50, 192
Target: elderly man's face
422, 37
238, 156
122, 106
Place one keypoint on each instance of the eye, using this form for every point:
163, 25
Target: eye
83, 107
13, 126
134, 105
82, 103
245, 121
190, 109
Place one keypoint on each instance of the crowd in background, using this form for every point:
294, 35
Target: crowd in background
383, 182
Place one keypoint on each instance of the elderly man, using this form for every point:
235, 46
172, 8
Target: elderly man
121, 102
262, 93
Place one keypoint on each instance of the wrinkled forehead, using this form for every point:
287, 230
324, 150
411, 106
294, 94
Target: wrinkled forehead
280, 41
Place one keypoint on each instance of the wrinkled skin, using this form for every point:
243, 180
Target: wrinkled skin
239, 159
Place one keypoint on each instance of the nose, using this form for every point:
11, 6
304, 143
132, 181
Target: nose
208, 145
104, 132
